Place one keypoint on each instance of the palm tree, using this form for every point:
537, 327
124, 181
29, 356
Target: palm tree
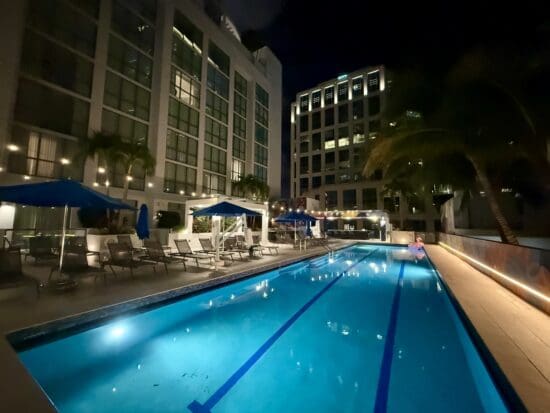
252, 187
467, 128
113, 152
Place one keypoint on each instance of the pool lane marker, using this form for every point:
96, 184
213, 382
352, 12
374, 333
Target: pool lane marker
197, 407
381, 403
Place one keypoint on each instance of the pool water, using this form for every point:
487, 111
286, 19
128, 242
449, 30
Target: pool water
369, 328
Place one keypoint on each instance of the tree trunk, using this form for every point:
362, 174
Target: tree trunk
124, 192
506, 234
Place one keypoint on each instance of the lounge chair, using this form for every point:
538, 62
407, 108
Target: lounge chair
80, 243
75, 262
155, 253
185, 251
230, 244
11, 273
121, 255
270, 248
127, 239
41, 248
208, 248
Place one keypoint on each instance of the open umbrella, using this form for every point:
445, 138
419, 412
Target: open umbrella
224, 209
142, 225
294, 217
63, 193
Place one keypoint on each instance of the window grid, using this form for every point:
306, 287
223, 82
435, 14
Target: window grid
184, 87
215, 133
183, 117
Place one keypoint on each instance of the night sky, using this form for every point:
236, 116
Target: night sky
317, 40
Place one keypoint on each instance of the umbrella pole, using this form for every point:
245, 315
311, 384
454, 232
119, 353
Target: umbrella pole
63, 238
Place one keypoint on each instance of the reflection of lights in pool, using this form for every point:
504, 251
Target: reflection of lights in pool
232, 297
379, 336
331, 260
118, 332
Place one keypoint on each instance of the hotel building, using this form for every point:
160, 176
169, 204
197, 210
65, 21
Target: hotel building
169, 74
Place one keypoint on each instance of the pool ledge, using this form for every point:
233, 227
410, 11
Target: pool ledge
515, 333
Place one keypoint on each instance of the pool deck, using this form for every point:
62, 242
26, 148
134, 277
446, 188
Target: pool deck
517, 334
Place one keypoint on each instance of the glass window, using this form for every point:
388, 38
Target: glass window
329, 117
215, 133
218, 58
241, 85
342, 91
129, 61
374, 105
239, 148
358, 133
89, 6
357, 109
262, 96
60, 21
304, 165
350, 199
237, 170
262, 114
315, 120
304, 122
216, 106
373, 81
304, 144
374, 128
391, 204
316, 99
132, 27
357, 86
46, 108
183, 117
370, 198
304, 185
178, 178
343, 115
260, 155
330, 160
260, 172
187, 31
316, 163
329, 95
129, 129
239, 126
304, 103
185, 56
261, 135
330, 180
181, 148
185, 88
343, 137
315, 182
344, 159
214, 159
46, 60
125, 96
218, 82
331, 198
40, 155
316, 142
239, 105
213, 184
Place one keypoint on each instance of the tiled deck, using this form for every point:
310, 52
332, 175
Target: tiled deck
516, 333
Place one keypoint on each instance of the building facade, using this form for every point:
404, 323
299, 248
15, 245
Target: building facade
162, 73
330, 126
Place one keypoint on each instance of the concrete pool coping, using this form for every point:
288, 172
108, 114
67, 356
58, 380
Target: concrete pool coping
527, 372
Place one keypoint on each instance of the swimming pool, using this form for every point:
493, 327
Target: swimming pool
369, 328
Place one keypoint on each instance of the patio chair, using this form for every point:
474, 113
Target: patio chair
75, 262
230, 244
11, 273
185, 251
81, 243
155, 253
121, 255
270, 248
127, 239
208, 248
41, 248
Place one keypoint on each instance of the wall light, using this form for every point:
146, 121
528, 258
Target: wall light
12, 147
150, 184
26, 177
65, 161
101, 170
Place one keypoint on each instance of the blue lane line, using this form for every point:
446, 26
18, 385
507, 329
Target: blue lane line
197, 407
381, 403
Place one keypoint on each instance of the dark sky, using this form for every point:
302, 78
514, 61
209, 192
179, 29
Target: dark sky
317, 40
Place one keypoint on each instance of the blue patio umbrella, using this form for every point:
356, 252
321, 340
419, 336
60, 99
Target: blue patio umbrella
225, 209
142, 225
294, 217
63, 193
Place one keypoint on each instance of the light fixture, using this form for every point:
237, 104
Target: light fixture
101, 170
64, 161
129, 178
150, 184
26, 177
182, 192
1, 169
193, 193
106, 183
203, 195
96, 184
12, 147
